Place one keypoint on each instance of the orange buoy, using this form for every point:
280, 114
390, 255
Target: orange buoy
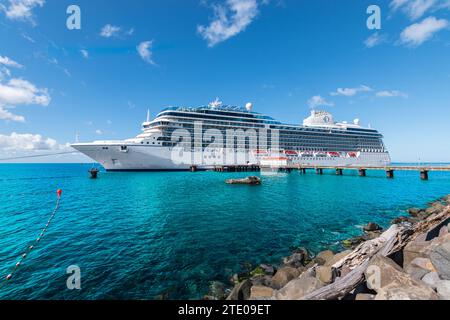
59, 192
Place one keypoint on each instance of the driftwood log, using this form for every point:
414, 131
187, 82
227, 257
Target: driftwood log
391, 241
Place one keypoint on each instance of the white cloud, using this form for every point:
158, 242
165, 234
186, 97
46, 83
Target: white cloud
229, 20
4, 73
6, 115
350, 92
109, 31
99, 132
375, 40
144, 50
9, 62
28, 142
318, 101
21, 92
414, 9
21, 9
84, 53
418, 33
391, 93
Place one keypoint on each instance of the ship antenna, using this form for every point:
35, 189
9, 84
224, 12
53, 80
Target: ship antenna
148, 115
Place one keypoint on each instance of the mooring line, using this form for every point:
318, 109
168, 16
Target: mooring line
34, 244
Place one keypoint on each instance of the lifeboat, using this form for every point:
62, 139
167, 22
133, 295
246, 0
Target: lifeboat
352, 155
334, 154
291, 153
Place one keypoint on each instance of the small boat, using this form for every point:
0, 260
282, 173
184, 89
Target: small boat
250, 181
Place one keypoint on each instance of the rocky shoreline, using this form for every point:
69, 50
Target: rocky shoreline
408, 261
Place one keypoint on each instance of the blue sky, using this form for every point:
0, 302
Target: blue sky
285, 56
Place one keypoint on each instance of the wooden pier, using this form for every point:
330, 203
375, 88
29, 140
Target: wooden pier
362, 170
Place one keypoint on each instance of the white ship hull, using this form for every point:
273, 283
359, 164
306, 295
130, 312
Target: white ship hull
113, 157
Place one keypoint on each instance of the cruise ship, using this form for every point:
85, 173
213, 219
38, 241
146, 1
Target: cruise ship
217, 135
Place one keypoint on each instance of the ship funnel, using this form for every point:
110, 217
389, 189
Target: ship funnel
356, 122
249, 107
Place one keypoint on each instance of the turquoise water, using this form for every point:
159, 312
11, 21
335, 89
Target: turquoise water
142, 235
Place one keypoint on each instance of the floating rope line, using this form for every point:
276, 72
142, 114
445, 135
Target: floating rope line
39, 155
34, 244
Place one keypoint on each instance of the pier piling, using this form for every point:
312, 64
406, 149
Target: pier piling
319, 171
362, 172
424, 175
94, 173
339, 172
390, 174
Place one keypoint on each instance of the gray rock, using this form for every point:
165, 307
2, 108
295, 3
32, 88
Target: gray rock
431, 279
419, 267
415, 249
416, 272
261, 280
261, 293
298, 258
241, 291
324, 274
268, 269
440, 257
371, 226
423, 263
298, 288
283, 276
443, 289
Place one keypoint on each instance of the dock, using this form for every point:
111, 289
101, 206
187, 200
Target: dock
362, 170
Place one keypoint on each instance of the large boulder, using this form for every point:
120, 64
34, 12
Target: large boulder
268, 269
261, 293
440, 257
404, 292
390, 282
323, 257
283, 276
298, 288
415, 249
241, 291
443, 289
419, 267
371, 226
431, 279
324, 274
261, 280
298, 258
